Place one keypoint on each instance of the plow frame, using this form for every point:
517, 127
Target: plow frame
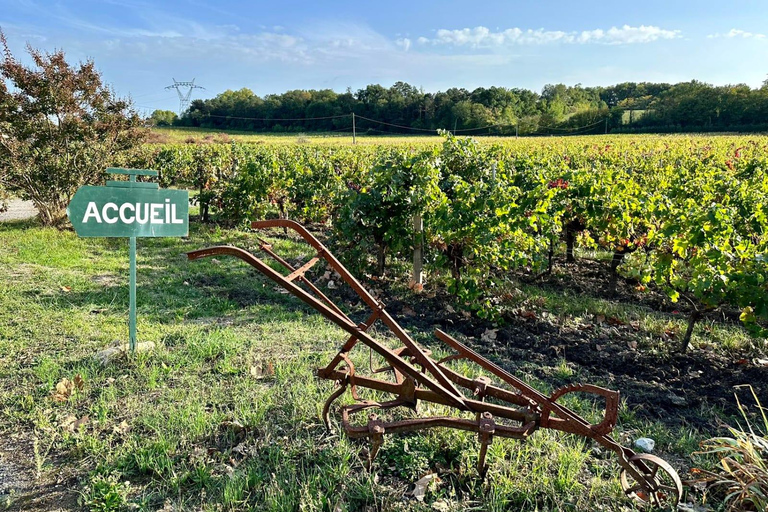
418, 377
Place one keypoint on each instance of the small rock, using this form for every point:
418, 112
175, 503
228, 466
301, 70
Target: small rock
645, 444
112, 354
677, 400
489, 335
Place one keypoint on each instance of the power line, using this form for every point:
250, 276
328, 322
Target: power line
567, 131
434, 130
278, 119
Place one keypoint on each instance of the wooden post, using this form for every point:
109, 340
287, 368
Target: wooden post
418, 249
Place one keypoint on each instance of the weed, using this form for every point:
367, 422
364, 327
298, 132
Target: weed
105, 494
743, 460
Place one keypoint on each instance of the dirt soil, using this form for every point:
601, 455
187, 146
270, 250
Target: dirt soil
657, 383
20, 487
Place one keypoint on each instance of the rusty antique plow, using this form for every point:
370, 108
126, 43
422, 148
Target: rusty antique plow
514, 411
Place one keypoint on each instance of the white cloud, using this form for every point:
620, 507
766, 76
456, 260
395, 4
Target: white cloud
737, 33
404, 43
482, 37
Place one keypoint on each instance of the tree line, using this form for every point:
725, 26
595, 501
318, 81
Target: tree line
558, 109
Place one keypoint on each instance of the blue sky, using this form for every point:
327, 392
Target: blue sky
270, 47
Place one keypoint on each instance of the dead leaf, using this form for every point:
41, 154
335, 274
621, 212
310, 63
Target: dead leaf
529, 315
615, 321
598, 348
65, 387
122, 428
599, 318
441, 506
632, 345
66, 288
742, 361
262, 369
215, 261
68, 422
81, 422
466, 314
415, 287
331, 285
407, 311
489, 335
421, 485
232, 426
761, 362
449, 309
63, 390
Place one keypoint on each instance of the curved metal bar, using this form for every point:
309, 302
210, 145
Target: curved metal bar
416, 351
454, 398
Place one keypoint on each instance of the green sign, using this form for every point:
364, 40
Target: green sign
129, 209
118, 211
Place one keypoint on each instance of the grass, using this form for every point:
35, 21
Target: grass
225, 413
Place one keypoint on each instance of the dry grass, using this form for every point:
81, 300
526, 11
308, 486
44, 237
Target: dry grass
743, 461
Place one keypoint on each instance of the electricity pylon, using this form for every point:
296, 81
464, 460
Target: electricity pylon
184, 96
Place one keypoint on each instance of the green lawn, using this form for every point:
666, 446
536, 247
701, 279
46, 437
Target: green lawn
225, 413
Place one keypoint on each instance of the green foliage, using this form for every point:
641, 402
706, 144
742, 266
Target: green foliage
380, 206
105, 494
163, 118
686, 215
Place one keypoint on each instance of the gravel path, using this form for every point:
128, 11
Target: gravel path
18, 210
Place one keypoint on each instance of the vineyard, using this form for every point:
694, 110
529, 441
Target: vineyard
686, 216
634, 263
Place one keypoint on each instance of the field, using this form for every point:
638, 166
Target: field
224, 413
203, 136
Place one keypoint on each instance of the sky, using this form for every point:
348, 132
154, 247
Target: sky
271, 47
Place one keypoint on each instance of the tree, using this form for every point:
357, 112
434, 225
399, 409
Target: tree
61, 127
163, 117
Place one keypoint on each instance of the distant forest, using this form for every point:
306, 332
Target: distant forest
558, 109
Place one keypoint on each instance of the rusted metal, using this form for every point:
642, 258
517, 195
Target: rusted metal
516, 409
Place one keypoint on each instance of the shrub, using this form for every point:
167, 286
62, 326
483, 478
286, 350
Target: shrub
61, 127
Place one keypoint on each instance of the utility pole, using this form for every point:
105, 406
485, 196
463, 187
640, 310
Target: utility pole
184, 96
354, 132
